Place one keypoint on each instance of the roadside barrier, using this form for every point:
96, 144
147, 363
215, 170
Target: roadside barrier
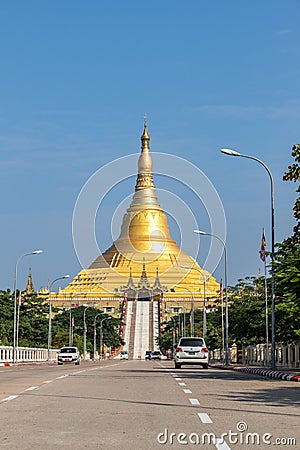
26, 354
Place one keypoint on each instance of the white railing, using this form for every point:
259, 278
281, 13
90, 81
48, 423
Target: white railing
286, 356
26, 354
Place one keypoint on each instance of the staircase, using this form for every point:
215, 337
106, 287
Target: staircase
141, 328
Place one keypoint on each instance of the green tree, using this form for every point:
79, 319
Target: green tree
287, 269
6, 315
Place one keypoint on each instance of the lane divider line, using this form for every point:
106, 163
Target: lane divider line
221, 444
11, 397
32, 388
178, 379
204, 418
187, 391
181, 384
194, 401
48, 381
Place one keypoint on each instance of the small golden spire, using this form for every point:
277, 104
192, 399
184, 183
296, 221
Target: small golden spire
29, 286
145, 136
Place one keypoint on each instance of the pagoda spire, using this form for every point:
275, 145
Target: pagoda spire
29, 286
145, 177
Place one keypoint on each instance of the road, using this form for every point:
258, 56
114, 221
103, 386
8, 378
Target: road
144, 405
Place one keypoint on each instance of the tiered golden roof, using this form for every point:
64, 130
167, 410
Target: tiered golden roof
144, 244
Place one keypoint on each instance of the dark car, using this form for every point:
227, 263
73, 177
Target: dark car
148, 355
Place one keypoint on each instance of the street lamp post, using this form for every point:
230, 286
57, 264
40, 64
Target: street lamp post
35, 252
95, 333
101, 335
205, 279
84, 331
203, 233
230, 152
173, 349
50, 313
193, 309
71, 322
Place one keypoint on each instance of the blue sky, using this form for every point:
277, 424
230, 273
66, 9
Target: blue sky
76, 79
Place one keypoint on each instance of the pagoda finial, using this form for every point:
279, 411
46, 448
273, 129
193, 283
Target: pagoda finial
145, 136
145, 179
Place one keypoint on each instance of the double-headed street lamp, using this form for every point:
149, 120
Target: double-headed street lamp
205, 279
174, 332
192, 311
35, 252
50, 312
203, 233
95, 333
230, 152
101, 335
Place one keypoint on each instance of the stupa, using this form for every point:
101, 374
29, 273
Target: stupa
144, 263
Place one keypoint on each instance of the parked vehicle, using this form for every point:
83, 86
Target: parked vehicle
191, 350
156, 355
124, 354
68, 355
148, 355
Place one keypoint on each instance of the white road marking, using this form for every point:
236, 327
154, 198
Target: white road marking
62, 376
221, 444
178, 379
187, 391
32, 388
48, 381
204, 418
182, 384
11, 397
194, 401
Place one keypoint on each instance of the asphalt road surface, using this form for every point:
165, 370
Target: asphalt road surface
144, 405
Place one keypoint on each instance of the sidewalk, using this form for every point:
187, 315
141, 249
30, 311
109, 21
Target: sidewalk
285, 374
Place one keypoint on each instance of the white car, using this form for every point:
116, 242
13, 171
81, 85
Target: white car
191, 350
68, 355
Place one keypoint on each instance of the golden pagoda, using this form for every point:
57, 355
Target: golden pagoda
144, 262
29, 286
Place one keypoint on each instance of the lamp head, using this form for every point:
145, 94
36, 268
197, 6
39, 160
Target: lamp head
66, 276
230, 152
200, 232
37, 252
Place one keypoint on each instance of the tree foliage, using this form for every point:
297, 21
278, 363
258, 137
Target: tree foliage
34, 320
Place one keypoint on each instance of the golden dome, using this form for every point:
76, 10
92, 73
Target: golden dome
144, 243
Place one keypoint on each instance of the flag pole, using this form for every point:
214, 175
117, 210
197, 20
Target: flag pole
267, 317
18, 319
264, 258
222, 323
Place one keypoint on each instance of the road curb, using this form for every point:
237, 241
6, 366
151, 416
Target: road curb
268, 373
263, 372
5, 364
